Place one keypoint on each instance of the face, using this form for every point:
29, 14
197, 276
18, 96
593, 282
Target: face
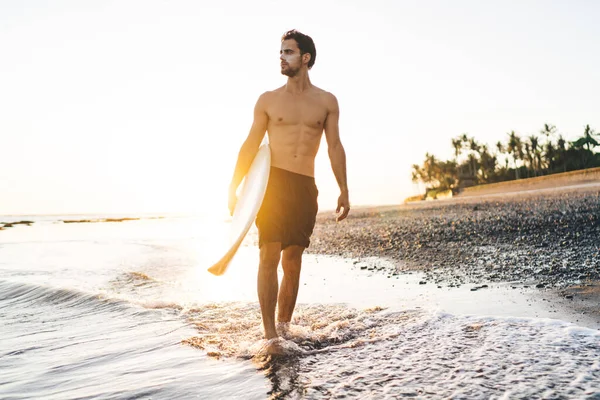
291, 60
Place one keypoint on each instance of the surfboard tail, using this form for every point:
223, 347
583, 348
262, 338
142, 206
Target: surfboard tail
218, 269
220, 266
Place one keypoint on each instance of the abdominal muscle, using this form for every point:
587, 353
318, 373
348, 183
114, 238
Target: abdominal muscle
295, 153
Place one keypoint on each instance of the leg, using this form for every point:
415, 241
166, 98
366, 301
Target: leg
292, 263
267, 284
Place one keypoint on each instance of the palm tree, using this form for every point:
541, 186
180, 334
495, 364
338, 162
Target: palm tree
500, 150
487, 163
520, 151
474, 147
435, 173
514, 148
536, 156
464, 140
429, 167
472, 161
500, 147
457, 144
587, 139
417, 176
416, 173
548, 130
528, 157
447, 174
561, 147
550, 153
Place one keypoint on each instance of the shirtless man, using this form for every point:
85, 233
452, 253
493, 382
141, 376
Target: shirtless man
295, 116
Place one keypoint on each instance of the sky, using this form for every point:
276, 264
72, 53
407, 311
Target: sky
142, 106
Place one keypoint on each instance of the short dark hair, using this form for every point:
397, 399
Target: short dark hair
305, 44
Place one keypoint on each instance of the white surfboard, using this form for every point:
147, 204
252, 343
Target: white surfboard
248, 204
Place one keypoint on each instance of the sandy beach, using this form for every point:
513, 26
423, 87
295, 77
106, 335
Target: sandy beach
546, 242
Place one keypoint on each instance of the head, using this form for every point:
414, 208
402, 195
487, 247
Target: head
297, 52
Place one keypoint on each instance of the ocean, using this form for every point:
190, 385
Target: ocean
126, 310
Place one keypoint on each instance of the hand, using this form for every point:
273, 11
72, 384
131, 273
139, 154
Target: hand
232, 201
343, 204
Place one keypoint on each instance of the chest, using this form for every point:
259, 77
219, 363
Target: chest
291, 110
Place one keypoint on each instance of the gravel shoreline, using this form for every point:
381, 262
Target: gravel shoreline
549, 239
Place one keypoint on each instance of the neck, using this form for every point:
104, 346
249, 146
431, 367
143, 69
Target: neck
298, 83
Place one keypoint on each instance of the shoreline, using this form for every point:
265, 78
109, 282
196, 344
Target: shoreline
543, 241
500, 299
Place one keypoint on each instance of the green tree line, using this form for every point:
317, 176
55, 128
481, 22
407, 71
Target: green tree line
516, 157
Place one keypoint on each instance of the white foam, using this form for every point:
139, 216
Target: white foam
350, 352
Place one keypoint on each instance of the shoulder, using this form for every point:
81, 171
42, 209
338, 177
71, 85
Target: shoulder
322, 92
330, 101
327, 98
268, 96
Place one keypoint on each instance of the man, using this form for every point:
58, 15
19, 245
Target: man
295, 116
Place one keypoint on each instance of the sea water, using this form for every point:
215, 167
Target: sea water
126, 310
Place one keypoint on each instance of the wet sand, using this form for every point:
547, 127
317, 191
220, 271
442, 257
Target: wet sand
545, 243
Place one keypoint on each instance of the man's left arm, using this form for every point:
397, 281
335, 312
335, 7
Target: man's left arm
337, 155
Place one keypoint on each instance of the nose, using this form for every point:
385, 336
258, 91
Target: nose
281, 56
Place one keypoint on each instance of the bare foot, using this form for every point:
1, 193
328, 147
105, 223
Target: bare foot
274, 347
283, 329
279, 347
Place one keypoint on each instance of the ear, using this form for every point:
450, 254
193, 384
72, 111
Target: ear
306, 58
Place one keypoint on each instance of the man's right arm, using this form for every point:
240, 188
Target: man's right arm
249, 148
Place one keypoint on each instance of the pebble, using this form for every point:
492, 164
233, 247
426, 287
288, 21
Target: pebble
548, 239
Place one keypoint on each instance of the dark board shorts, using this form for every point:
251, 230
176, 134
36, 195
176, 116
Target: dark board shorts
289, 209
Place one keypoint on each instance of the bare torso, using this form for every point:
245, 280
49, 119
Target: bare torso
295, 126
